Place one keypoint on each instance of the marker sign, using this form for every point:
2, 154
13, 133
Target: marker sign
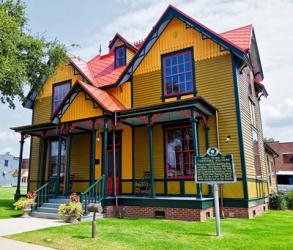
214, 168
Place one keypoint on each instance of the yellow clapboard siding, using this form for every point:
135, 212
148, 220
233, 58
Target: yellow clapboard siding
233, 190
126, 152
35, 157
43, 102
81, 108
80, 156
190, 187
175, 37
129, 55
123, 94
159, 187
126, 187
173, 187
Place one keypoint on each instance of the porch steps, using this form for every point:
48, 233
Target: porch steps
49, 210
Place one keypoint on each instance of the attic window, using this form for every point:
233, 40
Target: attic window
120, 57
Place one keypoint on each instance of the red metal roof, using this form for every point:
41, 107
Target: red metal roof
103, 98
240, 36
103, 70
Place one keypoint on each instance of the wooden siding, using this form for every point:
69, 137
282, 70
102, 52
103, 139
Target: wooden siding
129, 55
80, 157
81, 108
123, 94
247, 132
34, 167
126, 166
175, 37
43, 102
141, 151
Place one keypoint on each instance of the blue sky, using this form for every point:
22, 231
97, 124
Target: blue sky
90, 23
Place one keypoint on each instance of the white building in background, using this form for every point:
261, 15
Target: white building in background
8, 166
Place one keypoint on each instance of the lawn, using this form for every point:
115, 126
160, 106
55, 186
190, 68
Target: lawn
274, 230
6, 200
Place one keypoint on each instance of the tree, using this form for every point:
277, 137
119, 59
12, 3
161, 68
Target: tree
25, 59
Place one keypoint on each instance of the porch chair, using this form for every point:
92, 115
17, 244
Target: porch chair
143, 186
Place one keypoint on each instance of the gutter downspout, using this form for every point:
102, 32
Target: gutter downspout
218, 146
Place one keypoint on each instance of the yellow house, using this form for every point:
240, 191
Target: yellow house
124, 128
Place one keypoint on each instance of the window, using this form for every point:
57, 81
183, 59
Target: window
252, 113
6, 163
256, 154
179, 152
178, 73
288, 158
248, 80
59, 92
120, 58
53, 161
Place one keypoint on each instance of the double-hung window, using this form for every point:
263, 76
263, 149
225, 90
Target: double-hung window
178, 73
120, 56
179, 152
59, 92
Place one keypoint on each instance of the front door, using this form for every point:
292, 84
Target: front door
53, 163
110, 173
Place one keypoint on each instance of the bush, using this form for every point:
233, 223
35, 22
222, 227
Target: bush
23, 202
289, 200
278, 201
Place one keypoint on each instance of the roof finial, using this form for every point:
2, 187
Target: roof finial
100, 50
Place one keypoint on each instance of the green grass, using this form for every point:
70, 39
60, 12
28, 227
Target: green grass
273, 230
6, 203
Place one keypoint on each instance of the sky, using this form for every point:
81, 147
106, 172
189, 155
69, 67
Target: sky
93, 23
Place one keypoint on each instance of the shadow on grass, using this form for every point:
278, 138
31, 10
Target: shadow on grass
6, 205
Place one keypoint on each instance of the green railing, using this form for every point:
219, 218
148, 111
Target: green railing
94, 194
44, 193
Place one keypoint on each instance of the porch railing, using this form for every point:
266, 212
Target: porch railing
94, 194
44, 193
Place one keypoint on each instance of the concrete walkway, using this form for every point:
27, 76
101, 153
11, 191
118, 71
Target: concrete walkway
20, 225
18, 245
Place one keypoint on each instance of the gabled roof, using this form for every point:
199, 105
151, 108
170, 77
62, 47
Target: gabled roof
240, 36
159, 27
122, 39
103, 70
102, 98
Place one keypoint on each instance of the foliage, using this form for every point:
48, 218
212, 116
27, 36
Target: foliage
31, 195
289, 199
273, 230
71, 208
25, 59
24, 202
278, 201
74, 197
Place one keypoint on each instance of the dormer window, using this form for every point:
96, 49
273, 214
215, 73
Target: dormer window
120, 56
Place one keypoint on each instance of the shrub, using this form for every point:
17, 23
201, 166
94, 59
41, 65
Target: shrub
289, 200
278, 201
74, 197
71, 208
23, 202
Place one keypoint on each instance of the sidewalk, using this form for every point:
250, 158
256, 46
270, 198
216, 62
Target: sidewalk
20, 225
18, 245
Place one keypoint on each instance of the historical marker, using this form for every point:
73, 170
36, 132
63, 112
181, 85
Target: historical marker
215, 168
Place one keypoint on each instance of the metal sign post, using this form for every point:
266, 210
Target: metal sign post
217, 210
214, 169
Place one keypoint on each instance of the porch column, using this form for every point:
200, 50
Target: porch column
42, 166
93, 156
151, 153
207, 139
195, 147
68, 162
57, 190
17, 193
104, 150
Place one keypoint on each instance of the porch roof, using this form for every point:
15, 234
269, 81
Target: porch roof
169, 111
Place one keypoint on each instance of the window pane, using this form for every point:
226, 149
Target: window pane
179, 152
179, 67
59, 92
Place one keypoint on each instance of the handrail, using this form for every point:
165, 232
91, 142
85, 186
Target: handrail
93, 194
43, 193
